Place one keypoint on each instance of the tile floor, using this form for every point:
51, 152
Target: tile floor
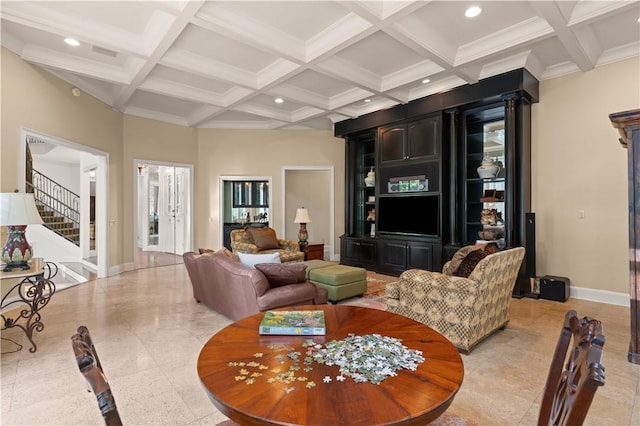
148, 332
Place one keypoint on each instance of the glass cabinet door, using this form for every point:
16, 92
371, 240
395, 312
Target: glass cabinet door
242, 194
261, 193
484, 189
364, 188
366, 195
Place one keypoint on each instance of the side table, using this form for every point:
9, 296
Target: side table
34, 290
314, 251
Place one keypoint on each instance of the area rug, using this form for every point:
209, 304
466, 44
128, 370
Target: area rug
374, 295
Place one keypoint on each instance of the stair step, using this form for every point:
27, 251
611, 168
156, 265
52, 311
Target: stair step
59, 225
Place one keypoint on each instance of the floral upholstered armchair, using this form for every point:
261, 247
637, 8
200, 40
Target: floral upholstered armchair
264, 241
463, 309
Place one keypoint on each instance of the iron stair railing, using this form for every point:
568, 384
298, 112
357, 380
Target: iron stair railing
58, 206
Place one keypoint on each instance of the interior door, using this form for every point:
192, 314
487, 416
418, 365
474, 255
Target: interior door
163, 213
172, 224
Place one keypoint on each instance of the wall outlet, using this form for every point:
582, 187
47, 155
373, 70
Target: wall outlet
580, 214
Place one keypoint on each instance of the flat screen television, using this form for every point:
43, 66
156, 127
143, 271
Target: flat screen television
415, 215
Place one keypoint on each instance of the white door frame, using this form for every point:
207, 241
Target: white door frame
189, 188
332, 215
102, 189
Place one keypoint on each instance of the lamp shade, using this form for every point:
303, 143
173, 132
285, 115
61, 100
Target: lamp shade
302, 216
17, 208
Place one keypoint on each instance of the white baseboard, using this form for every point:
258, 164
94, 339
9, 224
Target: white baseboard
602, 296
71, 273
114, 270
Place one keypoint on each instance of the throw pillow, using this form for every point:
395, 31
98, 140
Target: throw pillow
205, 250
279, 274
250, 259
227, 253
470, 262
459, 256
264, 238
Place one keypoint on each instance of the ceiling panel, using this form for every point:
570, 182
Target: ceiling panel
221, 63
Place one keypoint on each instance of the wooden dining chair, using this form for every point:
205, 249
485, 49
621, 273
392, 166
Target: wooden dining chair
91, 369
575, 374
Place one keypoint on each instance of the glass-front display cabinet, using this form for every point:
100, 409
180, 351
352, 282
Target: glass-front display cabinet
484, 181
365, 190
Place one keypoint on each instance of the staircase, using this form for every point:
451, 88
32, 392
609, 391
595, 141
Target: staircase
57, 205
59, 225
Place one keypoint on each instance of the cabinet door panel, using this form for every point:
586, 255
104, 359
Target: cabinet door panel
423, 138
393, 254
420, 256
391, 143
359, 252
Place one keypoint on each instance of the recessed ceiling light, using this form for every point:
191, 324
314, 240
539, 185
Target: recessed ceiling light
426, 80
367, 100
72, 41
278, 100
473, 11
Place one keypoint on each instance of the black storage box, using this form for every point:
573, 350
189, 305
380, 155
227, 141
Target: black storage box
554, 288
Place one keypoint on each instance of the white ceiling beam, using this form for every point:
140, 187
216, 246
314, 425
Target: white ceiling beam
57, 60
575, 48
161, 46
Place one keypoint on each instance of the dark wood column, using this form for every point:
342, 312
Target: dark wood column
453, 178
510, 168
628, 125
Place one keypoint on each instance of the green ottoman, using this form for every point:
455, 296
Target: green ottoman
340, 281
315, 264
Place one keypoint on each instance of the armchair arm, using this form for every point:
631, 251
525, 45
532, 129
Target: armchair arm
392, 290
239, 247
289, 245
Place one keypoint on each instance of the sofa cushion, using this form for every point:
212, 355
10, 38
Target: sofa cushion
264, 238
249, 259
206, 250
279, 274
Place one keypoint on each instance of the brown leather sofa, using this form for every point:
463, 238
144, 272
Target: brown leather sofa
237, 291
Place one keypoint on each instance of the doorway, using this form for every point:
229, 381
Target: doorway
244, 200
74, 165
317, 197
163, 211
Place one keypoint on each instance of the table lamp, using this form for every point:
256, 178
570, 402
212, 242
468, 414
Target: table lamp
302, 217
17, 210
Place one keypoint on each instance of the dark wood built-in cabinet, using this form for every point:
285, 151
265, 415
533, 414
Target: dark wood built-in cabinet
408, 142
428, 196
406, 160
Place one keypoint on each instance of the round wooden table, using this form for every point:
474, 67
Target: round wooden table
237, 366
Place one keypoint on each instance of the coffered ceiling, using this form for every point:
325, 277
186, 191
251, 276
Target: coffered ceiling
221, 64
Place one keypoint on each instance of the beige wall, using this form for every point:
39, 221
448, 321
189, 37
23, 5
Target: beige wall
578, 164
261, 153
34, 99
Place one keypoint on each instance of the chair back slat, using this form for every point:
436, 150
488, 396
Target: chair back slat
575, 373
90, 367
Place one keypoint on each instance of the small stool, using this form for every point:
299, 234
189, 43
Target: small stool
341, 281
